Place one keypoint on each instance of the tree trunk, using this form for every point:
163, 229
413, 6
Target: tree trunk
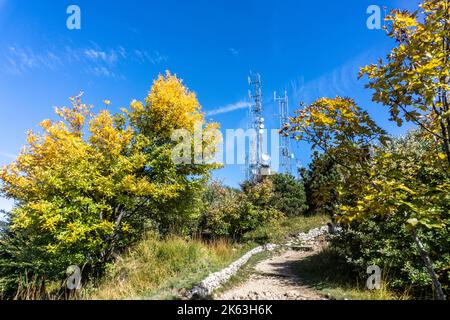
111, 240
427, 261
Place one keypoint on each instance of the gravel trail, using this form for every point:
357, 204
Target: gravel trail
275, 279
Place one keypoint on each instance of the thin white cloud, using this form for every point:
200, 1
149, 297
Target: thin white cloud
93, 60
342, 81
234, 52
7, 155
102, 56
154, 58
101, 71
229, 108
122, 52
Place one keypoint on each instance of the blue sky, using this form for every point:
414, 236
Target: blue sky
310, 48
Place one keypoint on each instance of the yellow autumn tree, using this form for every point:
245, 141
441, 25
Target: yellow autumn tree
344, 135
77, 184
413, 80
87, 184
171, 107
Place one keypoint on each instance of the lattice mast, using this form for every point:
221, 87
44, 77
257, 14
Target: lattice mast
256, 122
285, 143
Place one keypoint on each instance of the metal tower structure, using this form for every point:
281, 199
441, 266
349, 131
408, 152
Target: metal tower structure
285, 143
257, 160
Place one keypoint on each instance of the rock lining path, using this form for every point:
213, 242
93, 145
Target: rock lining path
275, 279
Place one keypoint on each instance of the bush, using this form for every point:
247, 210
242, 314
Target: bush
387, 243
407, 202
289, 195
232, 213
320, 180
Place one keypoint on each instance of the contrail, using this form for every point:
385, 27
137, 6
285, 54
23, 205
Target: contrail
229, 108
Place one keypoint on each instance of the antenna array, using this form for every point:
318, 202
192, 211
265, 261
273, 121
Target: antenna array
257, 160
286, 156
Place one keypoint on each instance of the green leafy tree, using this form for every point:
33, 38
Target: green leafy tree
414, 83
88, 184
320, 180
409, 184
289, 195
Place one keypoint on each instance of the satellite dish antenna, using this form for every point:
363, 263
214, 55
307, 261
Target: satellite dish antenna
261, 131
261, 126
262, 120
265, 157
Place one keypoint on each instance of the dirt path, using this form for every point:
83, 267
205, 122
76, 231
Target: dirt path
275, 278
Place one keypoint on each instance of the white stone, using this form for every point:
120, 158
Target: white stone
217, 279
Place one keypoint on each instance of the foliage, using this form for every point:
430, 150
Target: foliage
230, 212
414, 84
345, 136
157, 268
320, 180
337, 126
407, 179
386, 242
77, 194
288, 195
169, 107
413, 81
222, 207
87, 185
409, 191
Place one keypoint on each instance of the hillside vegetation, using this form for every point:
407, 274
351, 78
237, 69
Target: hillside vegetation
166, 268
114, 195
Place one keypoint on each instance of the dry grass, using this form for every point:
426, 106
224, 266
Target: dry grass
162, 269
277, 232
166, 268
329, 274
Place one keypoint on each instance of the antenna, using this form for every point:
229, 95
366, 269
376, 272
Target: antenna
285, 145
256, 157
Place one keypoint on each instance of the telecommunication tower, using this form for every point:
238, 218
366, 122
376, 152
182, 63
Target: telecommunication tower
257, 161
285, 144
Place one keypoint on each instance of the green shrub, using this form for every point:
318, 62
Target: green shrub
231, 213
387, 243
320, 180
289, 195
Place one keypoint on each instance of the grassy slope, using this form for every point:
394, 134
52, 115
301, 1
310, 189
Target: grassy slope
165, 269
277, 233
323, 272
327, 273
